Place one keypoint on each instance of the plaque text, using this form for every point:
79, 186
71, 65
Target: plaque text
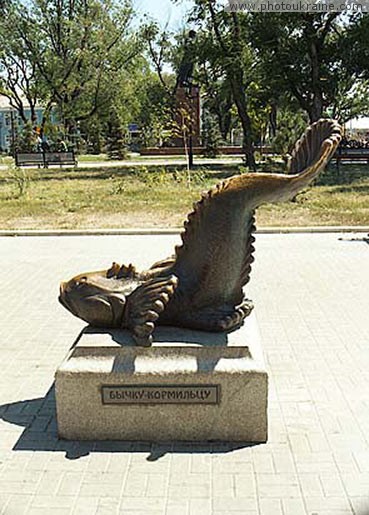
160, 394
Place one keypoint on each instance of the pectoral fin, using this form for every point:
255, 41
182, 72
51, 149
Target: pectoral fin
145, 304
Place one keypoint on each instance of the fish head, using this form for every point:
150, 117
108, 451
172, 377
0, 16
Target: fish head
96, 298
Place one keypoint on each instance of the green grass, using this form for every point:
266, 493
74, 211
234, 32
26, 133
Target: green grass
158, 197
94, 158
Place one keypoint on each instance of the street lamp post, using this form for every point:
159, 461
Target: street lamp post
12, 129
190, 140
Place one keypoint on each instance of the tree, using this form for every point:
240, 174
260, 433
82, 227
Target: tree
215, 85
156, 108
291, 124
227, 40
302, 55
19, 80
356, 49
211, 138
77, 48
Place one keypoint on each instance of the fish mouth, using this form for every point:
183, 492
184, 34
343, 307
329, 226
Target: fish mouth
99, 309
63, 298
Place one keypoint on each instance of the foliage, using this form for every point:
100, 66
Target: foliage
71, 53
290, 124
116, 141
160, 177
355, 51
27, 139
19, 80
224, 48
211, 138
155, 110
19, 178
215, 85
303, 57
96, 72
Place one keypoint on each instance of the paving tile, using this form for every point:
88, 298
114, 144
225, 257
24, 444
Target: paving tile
85, 506
49, 482
234, 504
356, 485
328, 504
108, 506
189, 491
244, 485
17, 504
200, 507
235, 512
200, 463
293, 507
46, 511
278, 485
142, 504
101, 489
270, 507
135, 485
332, 485
177, 507
284, 463
157, 485
311, 485
262, 463
140, 512
70, 483
232, 467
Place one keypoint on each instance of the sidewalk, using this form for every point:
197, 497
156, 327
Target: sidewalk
311, 295
152, 161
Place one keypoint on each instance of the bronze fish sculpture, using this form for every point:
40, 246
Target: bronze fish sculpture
201, 286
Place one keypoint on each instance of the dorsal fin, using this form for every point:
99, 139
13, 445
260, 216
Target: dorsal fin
194, 218
210, 233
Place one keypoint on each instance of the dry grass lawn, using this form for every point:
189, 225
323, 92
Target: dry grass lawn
121, 198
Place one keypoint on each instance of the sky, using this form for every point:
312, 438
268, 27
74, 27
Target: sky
164, 11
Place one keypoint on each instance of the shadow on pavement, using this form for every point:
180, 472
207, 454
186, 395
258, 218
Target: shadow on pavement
364, 239
38, 417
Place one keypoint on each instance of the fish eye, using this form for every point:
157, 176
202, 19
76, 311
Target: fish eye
81, 281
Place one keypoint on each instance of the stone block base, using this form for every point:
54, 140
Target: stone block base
190, 385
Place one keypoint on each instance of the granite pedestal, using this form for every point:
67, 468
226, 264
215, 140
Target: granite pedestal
190, 385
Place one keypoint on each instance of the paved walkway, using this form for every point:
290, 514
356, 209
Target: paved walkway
311, 293
154, 161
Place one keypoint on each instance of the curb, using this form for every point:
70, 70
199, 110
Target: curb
176, 231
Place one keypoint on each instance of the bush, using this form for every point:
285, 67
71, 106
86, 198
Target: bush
19, 178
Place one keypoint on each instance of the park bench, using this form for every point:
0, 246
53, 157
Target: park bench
45, 159
60, 158
351, 155
29, 159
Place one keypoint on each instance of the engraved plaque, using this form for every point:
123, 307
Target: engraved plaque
160, 394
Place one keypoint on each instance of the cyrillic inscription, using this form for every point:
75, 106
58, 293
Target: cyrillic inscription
160, 394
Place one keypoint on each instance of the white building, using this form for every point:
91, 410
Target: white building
10, 122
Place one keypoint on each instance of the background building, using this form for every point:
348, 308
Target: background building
11, 123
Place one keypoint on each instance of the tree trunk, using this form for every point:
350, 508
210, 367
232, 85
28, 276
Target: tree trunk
273, 119
240, 101
316, 108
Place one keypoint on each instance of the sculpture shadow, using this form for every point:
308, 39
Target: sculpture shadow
181, 338
163, 334
38, 417
364, 239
